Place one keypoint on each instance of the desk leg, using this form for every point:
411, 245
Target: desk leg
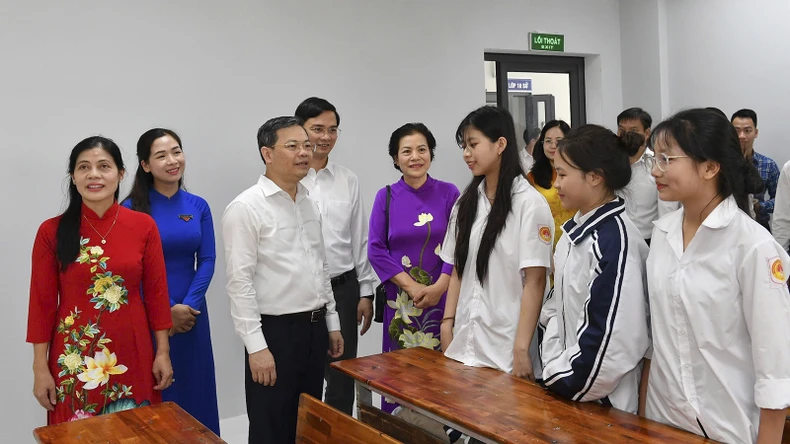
364, 396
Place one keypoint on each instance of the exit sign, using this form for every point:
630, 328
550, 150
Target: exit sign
546, 42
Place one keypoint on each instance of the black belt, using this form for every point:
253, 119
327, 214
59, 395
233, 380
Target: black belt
350, 274
312, 316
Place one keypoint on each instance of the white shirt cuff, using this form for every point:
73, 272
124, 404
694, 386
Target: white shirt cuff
365, 290
773, 394
332, 322
256, 342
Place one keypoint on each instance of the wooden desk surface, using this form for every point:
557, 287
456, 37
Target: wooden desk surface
165, 423
499, 406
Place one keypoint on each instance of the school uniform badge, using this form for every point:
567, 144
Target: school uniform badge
777, 271
185, 217
544, 233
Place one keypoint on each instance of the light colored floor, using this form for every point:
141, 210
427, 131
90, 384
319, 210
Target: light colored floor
234, 430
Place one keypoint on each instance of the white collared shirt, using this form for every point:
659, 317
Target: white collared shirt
595, 324
641, 197
345, 228
486, 317
780, 225
720, 313
275, 259
526, 160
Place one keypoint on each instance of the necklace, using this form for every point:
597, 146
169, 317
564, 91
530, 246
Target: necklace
103, 238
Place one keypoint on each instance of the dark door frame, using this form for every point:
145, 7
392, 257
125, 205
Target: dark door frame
573, 66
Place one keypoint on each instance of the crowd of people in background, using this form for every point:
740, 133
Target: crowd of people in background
634, 268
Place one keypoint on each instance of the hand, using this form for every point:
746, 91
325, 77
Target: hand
428, 297
364, 314
522, 364
163, 371
335, 344
446, 332
183, 318
44, 388
263, 368
413, 289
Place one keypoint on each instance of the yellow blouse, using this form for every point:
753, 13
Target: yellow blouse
560, 214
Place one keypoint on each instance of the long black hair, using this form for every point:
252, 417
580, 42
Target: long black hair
704, 135
542, 171
143, 181
68, 234
494, 123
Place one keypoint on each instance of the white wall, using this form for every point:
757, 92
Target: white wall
214, 71
640, 44
733, 55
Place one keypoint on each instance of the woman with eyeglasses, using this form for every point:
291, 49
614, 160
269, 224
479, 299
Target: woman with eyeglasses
185, 224
404, 248
719, 303
542, 175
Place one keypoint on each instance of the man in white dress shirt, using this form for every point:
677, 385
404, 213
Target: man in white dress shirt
641, 195
335, 189
278, 283
530, 137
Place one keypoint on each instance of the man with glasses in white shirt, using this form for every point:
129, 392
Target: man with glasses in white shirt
278, 283
345, 229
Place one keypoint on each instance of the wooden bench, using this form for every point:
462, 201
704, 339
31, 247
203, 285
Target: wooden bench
319, 423
164, 423
496, 407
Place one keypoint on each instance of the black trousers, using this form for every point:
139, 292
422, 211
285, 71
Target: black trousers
339, 387
299, 348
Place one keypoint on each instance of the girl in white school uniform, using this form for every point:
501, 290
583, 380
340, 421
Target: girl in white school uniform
500, 240
594, 325
720, 308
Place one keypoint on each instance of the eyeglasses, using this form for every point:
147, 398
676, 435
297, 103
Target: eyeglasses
323, 131
662, 161
551, 142
295, 146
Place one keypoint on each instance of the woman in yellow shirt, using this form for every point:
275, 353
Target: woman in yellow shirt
542, 175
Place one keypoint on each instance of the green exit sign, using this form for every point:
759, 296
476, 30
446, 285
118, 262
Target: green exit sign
546, 42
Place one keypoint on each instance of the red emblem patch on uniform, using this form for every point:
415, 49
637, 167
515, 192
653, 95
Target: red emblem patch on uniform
544, 233
777, 271
185, 217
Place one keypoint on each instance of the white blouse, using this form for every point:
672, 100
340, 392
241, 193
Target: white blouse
720, 314
487, 314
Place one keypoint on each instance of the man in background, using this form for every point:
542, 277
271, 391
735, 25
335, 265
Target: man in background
745, 123
336, 190
641, 195
525, 155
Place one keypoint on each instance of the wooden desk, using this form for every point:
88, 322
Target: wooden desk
165, 423
496, 407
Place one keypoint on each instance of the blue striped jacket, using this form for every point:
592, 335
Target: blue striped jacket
594, 325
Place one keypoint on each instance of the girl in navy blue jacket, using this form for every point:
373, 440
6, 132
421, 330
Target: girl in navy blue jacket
594, 324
